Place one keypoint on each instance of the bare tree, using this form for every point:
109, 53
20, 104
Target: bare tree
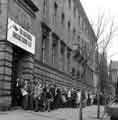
105, 30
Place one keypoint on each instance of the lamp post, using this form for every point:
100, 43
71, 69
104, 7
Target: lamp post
103, 77
75, 47
98, 84
98, 103
80, 112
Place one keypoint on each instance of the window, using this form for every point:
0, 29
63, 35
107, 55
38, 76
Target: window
79, 20
68, 59
54, 50
44, 6
69, 32
0, 7
69, 3
81, 23
74, 33
43, 48
53, 53
78, 38
74, 12
62, 51
45, 44
55, 8
55, 12
69, 25
62, 18
73, 71
83, 26
78, 74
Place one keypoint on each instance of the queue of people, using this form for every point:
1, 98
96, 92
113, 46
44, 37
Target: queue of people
38, 97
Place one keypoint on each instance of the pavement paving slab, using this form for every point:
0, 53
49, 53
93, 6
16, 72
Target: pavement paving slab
89, 113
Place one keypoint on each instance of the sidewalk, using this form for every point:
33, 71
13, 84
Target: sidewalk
89, 113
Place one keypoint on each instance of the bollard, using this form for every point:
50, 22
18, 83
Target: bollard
80, 112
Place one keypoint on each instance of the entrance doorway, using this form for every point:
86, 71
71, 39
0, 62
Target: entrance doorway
17, 71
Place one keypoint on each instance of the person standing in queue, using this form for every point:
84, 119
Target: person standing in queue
37, 95
53, 92
30, 94
49, 98
17, 93
24, 94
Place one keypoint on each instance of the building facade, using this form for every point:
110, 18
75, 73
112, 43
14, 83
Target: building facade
54, 26
113, 75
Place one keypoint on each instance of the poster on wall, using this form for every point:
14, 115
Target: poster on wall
20, 37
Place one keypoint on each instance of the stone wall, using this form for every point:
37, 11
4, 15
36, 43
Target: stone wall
5, 74
51, 75
3, 18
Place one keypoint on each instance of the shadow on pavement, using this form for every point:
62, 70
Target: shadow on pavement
3, 113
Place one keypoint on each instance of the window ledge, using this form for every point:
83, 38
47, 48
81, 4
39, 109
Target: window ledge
28, 5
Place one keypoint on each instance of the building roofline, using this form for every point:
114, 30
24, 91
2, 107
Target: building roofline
81, 9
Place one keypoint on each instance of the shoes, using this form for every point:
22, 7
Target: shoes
36, 110
48, 110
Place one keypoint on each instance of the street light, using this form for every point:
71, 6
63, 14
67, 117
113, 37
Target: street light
75, 47
98, 85
80, 112
101, 58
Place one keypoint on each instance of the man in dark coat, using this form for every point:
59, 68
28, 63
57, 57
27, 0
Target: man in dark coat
53, 92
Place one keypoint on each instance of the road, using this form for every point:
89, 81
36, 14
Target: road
89, 113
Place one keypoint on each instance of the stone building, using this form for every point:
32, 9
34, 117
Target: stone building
37, 38
113, 75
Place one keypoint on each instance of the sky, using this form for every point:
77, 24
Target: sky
109, 8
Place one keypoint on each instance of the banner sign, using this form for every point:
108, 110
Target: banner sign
20, 37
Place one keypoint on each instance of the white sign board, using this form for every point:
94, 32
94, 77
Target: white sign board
20, 37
